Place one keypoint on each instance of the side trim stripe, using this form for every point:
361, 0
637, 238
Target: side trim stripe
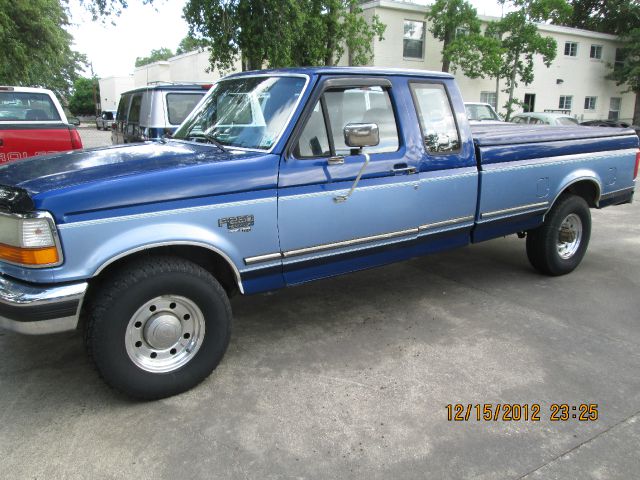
349, 243
445, 223
520, 208
604, 196
262, 258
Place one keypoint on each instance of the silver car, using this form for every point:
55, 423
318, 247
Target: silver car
545, 118
105, 120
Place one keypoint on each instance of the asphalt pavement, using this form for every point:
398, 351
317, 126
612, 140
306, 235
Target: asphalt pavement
351, 377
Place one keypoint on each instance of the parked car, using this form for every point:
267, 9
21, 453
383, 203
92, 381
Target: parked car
611, 123
276, 179
482, 114
32, 122
545, 118
151, 113
106, 120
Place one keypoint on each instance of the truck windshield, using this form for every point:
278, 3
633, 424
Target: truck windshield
249, 112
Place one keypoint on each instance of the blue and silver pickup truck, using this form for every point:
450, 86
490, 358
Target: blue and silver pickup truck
275, 179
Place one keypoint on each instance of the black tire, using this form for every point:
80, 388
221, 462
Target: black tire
543, 243
97, 127
123, 295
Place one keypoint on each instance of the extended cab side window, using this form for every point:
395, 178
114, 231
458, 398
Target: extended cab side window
134, 111
437, 122
123, 107
342, 107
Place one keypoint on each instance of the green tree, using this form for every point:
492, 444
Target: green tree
448, 19
520, 42
627, 71
281, 33
189, 44
83, 98
155, 56
36, 48
617, 17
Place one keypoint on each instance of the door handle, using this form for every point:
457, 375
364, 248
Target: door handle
337, 160
404, 171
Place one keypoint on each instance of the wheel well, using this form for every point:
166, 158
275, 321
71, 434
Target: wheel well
211, 261
587, 189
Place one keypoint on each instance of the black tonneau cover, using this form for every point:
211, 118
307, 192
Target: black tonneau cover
514, 134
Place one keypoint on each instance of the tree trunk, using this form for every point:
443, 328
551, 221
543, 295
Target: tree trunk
498, 94
512, 85
446, 63
352, 10
331, 34
636, 109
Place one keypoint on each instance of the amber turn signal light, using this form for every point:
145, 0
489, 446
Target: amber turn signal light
29, 256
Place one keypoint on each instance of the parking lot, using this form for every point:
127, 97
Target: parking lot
92, 137
351, 377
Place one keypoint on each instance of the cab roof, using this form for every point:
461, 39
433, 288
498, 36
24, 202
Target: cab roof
348, 71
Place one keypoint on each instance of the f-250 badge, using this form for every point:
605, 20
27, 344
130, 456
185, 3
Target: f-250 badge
242, 223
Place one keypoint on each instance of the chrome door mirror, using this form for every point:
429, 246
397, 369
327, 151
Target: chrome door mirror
360, 135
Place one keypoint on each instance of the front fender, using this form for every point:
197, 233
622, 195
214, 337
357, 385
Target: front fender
90, 250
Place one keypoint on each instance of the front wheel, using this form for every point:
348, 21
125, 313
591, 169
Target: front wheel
558, 246
158, 327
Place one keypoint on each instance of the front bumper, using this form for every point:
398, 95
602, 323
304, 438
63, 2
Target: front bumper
40, 309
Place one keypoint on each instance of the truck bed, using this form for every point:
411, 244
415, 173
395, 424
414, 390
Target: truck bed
510, 142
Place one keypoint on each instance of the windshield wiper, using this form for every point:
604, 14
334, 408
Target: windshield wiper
209, 138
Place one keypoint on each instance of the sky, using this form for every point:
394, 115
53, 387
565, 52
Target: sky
112, 48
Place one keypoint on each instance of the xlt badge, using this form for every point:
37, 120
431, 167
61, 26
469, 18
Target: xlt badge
243, 223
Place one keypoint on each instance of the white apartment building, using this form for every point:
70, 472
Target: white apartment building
110, 90
575, 82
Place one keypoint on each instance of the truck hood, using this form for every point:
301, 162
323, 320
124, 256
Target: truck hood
62, 170
129, 175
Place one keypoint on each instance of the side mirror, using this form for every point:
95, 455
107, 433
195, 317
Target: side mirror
74, 121
360, 135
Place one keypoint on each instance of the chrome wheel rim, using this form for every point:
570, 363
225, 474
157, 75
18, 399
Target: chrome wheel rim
165, 333
569, 236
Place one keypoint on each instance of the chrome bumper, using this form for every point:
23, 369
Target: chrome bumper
38, 310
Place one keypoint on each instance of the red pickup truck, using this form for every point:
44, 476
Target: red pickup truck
32, 122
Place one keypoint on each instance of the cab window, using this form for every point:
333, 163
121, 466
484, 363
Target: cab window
123, 107
438, 125
342, 107
134, 111
17, 106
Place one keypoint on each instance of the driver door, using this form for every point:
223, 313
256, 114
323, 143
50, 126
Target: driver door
320, 235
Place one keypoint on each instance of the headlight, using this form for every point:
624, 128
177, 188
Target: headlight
29, 240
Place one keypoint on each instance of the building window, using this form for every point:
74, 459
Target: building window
590, 103
614, 108
571, 49
619, 63
596, 52
413, 42
461, 32
565, 102
491, 98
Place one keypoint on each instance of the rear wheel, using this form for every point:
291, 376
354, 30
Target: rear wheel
558, 246
158, 327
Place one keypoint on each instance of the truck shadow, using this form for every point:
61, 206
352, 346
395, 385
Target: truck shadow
355, 311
